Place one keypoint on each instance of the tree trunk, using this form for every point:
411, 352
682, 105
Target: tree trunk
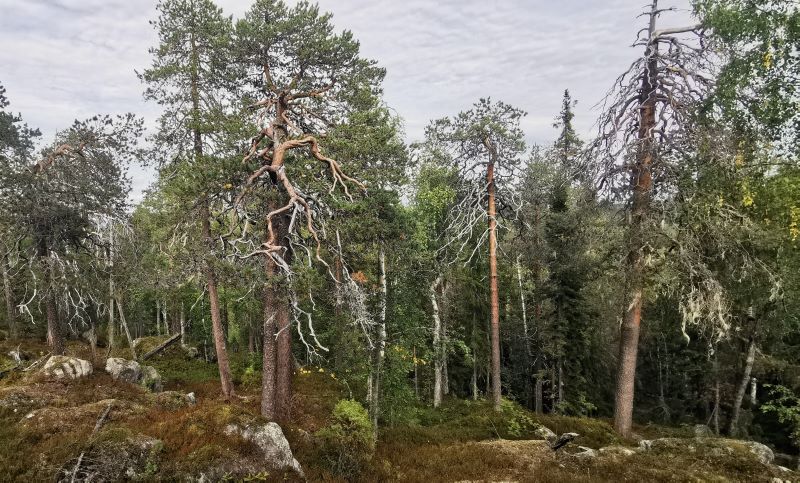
205, 215
13, 331
268, 356
54, 337
380, 347
525, 336
182, 321
213, 298
474, 382
164, 319
495, 296
125, 327
641, 184
284, 361
733, 429
437, 343
158, 317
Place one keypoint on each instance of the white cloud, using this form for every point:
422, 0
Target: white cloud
67, 59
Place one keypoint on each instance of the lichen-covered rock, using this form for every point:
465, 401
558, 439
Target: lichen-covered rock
124, 369
585, 452
616, 451
702, 431
712, 446
762, 451
270, 440
62, 367
151, 379
545, 433
174, 400
191, 351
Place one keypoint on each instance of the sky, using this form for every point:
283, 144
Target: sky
67, 59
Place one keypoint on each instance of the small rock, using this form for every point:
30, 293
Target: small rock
544, 433
585, 452
151, 379
191, 351
191, 398
702, 431
62, 367
783, 468
124, 370
270, 439
645, 445
617, 450
762, 451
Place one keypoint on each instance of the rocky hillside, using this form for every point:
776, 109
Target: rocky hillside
78, 418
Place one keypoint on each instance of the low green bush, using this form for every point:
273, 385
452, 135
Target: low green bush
346, 446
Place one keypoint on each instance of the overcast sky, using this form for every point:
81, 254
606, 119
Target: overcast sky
67, 59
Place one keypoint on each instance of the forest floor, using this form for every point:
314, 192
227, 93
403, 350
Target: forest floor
46, 425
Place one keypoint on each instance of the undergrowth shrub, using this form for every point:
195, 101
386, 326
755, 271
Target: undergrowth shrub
346, 446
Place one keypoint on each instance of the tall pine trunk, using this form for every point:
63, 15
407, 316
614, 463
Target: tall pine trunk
641, 182
495, 296
205, 214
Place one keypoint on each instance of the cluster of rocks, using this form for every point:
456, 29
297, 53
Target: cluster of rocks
66, 367
134, 373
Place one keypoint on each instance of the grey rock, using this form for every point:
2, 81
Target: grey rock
273, 444
762, 451
124, 369
545, 433
63, 367
151, 379
191, 398
702, 431
585, 452
616, 450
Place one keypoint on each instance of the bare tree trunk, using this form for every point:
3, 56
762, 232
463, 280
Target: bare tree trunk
437, 343
158, 317
182, 321
733, 429
495, 295
125, 326
13, 330
380, 347
164, 319
284, 361
716, 397
54, 337
111, 291
268, 356
641, 183
416, 374
474, 382
525, 335
560, 382
216, 322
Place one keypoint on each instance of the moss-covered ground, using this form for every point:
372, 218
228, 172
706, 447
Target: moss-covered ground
45, 425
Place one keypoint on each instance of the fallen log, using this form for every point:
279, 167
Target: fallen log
161, 347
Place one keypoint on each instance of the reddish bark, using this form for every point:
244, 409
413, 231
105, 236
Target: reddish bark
495, 296
641, 183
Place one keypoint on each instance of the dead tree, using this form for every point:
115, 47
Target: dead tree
644, 128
